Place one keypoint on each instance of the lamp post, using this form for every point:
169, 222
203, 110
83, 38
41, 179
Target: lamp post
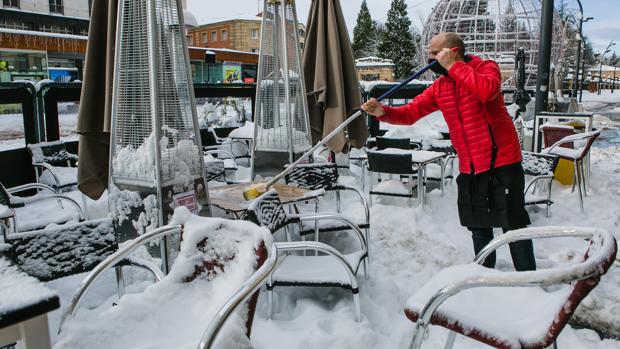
579, 41
613, 81
600, 71
583, 75
209, 59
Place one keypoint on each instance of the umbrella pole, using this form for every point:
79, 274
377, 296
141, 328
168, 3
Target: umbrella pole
256, 191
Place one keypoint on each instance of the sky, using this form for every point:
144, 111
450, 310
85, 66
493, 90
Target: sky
601, 30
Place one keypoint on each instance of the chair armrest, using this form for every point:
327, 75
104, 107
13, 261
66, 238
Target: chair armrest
342, 187
335, 217
35, 200
72, 156
535, 179
49, 168
228, 154
29, 186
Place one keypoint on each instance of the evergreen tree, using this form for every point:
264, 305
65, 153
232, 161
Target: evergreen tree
398, 42
364, 34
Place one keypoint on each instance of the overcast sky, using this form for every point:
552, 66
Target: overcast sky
604, 28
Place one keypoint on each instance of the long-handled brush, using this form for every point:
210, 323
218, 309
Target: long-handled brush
257, 190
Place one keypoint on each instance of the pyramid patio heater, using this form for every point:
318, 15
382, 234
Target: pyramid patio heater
282, 125
155, 154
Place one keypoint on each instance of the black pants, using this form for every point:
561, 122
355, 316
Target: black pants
522, 252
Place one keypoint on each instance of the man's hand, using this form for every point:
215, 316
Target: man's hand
446, 57
373, 107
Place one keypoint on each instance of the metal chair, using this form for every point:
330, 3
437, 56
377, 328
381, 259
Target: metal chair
499, 308
576, 156
53, 165
398, 143
398, 164
441, 172
324, 176
333, 269
8, 216
209, 243
541, 168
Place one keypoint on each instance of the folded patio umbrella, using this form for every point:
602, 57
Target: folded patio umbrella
521, 98
330, 76
94, 117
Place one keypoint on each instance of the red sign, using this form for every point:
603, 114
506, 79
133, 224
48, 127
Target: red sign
248, 80
187, 199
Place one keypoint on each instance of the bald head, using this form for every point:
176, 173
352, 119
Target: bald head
446, 40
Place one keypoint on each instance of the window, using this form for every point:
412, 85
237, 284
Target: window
190, 40
55, 29
10, 3
213, 36
301, 32
254, 50
224, 35
56, 6
205, 38
9, 24
254, 33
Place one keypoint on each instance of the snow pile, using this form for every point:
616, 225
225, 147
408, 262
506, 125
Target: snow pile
428, 128
226, 112
216, 257
19, 290
245, 131
277, 139
177, 165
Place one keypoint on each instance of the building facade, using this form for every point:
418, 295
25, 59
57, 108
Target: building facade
374, 68
239, 33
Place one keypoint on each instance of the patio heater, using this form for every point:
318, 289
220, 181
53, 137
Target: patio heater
281, 123
156, 161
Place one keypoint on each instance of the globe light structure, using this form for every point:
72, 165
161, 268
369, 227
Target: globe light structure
495, 29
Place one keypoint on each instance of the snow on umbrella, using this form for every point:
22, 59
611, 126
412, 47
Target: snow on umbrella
330, 76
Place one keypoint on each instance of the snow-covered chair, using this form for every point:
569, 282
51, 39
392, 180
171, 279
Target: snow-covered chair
583, 143
220, 265
12, 206
333, 269
445, 170
541, 168
511, 309
324, 176
53, 165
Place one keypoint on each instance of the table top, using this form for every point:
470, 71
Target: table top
22, 297
230, 197
417, 156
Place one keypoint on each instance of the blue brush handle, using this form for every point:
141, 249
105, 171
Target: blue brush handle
405, 82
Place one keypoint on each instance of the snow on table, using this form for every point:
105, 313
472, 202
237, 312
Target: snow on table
217, 255
19, 290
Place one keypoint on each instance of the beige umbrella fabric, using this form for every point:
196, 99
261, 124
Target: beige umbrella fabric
94, 117
330, 76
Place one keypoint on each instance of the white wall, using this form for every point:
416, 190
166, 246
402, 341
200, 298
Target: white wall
72, 8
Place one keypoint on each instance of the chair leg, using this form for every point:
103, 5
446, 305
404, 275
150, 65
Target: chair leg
418, 336
578, 183
583, 178
356, 304
270, 299
450, 340
547, 213
365, 265
86, 214
120, 281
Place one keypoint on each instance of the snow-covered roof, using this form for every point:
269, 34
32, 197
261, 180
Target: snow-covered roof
373, 61
238, 17
38, 33
215, 50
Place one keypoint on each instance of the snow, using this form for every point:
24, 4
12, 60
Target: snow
216, 257
245, 131
65, 175
428, 128
19, 290
369, 85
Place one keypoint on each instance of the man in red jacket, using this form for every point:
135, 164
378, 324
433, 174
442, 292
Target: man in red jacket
491, 181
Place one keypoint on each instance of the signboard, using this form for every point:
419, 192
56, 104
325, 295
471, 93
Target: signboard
232, 72
187, 199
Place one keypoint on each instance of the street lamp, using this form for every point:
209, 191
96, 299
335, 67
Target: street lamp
579, 41
600, 71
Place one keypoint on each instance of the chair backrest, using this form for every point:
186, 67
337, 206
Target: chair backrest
387, 142
314, 176
590, 137
602, 250
53, 153
5, 197
208, 137
390, 163
536, 164
267, 211
215, 170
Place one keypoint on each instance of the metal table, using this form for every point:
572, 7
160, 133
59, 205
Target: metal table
230, 197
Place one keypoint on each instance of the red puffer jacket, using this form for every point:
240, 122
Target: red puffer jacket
470, 99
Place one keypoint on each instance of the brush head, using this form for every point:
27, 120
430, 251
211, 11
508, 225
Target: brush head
254, 191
